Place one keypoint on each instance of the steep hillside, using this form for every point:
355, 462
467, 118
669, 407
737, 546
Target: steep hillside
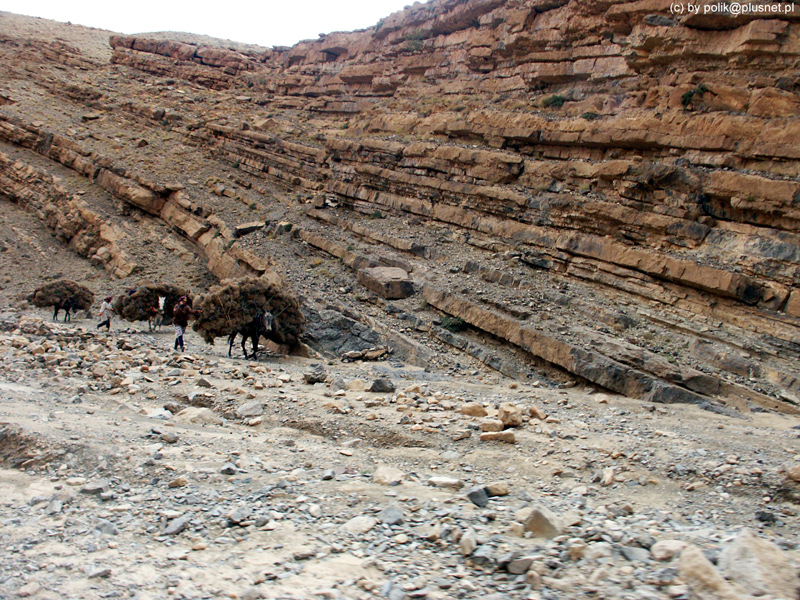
595, 191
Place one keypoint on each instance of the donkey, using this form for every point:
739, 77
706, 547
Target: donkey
68, 306
260, 325
156, 318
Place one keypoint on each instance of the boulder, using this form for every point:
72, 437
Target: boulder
386, 475
541, 522
315, 374
510, 415
382, 386
473, 409
704, 581
388, 282
759, 566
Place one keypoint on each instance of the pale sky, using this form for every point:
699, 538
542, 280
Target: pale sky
267, 23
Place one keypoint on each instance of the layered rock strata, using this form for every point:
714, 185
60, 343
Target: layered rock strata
83, 229
648, 156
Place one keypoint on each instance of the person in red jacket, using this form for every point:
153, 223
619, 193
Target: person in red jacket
180, 320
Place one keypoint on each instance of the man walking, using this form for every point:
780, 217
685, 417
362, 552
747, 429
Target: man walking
106, 310
180, 320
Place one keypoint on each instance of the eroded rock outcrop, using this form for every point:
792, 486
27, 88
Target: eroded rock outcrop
648, 155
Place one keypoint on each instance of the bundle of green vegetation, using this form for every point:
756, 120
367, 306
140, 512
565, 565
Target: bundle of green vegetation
55, 293
230, 307
137, 306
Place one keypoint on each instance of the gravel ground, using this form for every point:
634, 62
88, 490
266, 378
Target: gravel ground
142, 473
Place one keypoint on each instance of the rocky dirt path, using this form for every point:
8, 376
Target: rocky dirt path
134, 472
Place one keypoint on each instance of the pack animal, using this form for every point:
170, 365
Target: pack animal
260, 325
157, 318
68, 306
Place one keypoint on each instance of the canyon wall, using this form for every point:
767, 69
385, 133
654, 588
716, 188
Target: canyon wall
647, 155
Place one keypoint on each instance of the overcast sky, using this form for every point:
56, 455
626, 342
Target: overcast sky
265, 22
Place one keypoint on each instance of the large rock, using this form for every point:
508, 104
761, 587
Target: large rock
386, 475
704, 581
473, 409
759, 566
388, 282
543, 523
510, 415
196, 415
250, 409
360, 525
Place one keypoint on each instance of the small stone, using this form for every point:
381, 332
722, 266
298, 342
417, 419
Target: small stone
382, 386
499, 436
510, 415
106, 527
665, 550
597, 551
93, 572
519, 565
537, 413
543, 523
468, 542
239, 514
96, 488
600, 574
478, 496
315, 374
492, 425
169, 438
429, 531
178, 482
229, 469
391, 515
360, 525
607, 477
635, 554
328, 475
483, 556
197, 415
533, 579
473, 409
29, 589
250, 409
497, 488
177, 525
204, 383
386, 475
446, 482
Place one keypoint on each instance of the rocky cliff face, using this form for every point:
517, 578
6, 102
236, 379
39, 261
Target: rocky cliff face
646, 159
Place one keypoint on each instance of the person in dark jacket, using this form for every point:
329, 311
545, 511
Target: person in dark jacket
180, 320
